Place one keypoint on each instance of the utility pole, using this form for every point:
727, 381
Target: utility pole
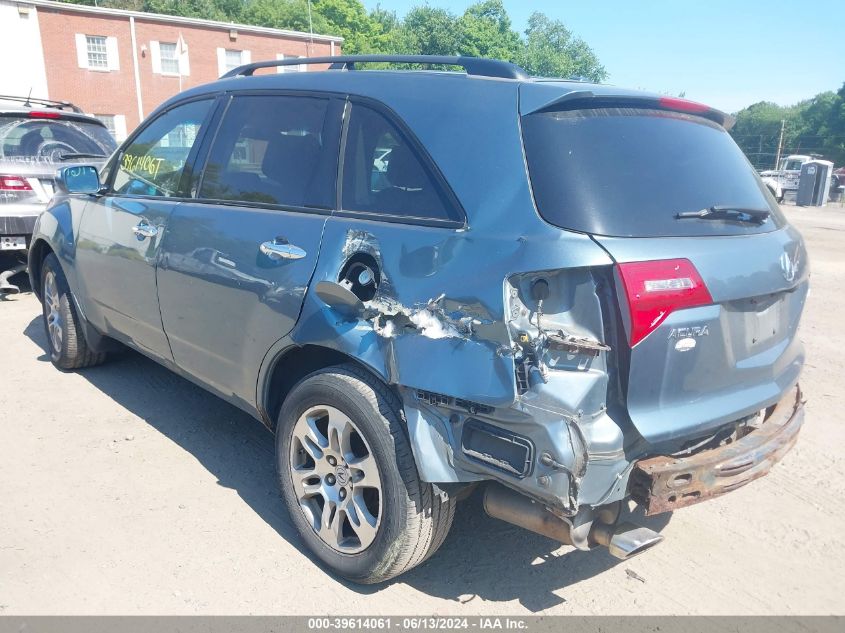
780, 142
311, 32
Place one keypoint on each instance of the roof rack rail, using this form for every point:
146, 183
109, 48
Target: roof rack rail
476, 66
28, 101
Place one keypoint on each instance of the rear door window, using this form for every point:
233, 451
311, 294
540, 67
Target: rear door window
273, 149
154, 162
628, 171
385, 174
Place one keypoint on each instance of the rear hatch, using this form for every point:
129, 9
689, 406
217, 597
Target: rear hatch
710, 278
34, 144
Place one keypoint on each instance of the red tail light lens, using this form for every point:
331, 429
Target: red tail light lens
657, 288
14, 183
674, 103
38, 114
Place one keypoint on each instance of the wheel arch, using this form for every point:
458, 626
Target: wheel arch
38, 252
291, 365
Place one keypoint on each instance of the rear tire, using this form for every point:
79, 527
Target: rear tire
408, 518
65, 339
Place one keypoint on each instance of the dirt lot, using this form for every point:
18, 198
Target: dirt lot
126, 489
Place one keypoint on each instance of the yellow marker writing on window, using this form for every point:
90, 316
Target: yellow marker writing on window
142, 164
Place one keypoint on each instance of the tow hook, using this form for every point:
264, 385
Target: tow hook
623, 540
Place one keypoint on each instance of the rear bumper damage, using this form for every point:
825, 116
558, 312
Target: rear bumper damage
665, 483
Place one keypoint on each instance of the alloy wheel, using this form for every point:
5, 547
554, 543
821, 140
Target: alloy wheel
53, 306
336, 479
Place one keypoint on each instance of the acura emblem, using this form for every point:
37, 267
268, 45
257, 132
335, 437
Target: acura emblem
789, 265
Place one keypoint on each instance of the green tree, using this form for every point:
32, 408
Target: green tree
757, 131
349, 19
551, 50
429, 31
485, 31
284, 14
814, 126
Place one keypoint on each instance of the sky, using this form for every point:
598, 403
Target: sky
725, 54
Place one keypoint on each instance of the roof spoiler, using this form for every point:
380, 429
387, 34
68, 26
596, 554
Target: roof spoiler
475, 66
586, 99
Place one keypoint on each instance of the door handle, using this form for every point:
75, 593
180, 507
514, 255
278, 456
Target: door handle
280, 249
143, 230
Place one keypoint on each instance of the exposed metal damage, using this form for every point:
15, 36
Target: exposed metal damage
363, 276
544, 344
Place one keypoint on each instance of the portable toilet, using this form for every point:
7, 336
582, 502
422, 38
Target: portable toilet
814, 183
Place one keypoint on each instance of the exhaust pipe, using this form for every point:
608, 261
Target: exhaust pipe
509, 506
622, 541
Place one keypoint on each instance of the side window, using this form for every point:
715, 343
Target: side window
152, 165
273, 150
383, 173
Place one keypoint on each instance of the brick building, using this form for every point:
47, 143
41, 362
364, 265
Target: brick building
119, 65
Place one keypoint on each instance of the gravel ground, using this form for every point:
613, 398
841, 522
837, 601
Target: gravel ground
128, 490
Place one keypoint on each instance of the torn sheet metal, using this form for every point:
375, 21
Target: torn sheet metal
438, 312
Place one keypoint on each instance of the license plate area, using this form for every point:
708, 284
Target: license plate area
12, 243
764, 324
754, 325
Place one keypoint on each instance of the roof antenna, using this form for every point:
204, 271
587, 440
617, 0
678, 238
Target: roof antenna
27, 103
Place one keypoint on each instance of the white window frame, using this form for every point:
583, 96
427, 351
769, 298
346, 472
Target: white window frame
222, 59
298, 68
111, 52
172, 59
182, 63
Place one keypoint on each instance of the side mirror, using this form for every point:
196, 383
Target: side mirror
79, 179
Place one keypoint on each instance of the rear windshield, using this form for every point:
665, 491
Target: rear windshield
628, 171
51, 140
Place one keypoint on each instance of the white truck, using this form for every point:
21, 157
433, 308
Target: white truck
785, 179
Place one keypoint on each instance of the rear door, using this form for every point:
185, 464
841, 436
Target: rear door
238, 259
711, 279
121, 232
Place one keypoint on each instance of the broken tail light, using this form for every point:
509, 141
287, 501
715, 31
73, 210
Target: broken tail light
655, 289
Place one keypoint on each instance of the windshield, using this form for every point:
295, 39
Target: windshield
48, 140
628, 172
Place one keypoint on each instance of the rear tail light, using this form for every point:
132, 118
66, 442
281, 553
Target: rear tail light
14, 183
16, 190
655, 289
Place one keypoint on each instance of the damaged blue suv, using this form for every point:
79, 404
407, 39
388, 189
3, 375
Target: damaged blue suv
423, 281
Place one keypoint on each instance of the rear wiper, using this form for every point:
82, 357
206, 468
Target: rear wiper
740, 214
72, 155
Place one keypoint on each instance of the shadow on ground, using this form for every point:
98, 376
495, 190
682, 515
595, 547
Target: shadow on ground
481, 558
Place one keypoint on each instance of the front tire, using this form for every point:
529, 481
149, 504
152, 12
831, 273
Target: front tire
349, 480
65, 339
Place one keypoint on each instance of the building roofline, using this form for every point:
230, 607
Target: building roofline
175, 19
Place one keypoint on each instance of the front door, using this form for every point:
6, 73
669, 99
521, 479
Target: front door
121, 232
237, 261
